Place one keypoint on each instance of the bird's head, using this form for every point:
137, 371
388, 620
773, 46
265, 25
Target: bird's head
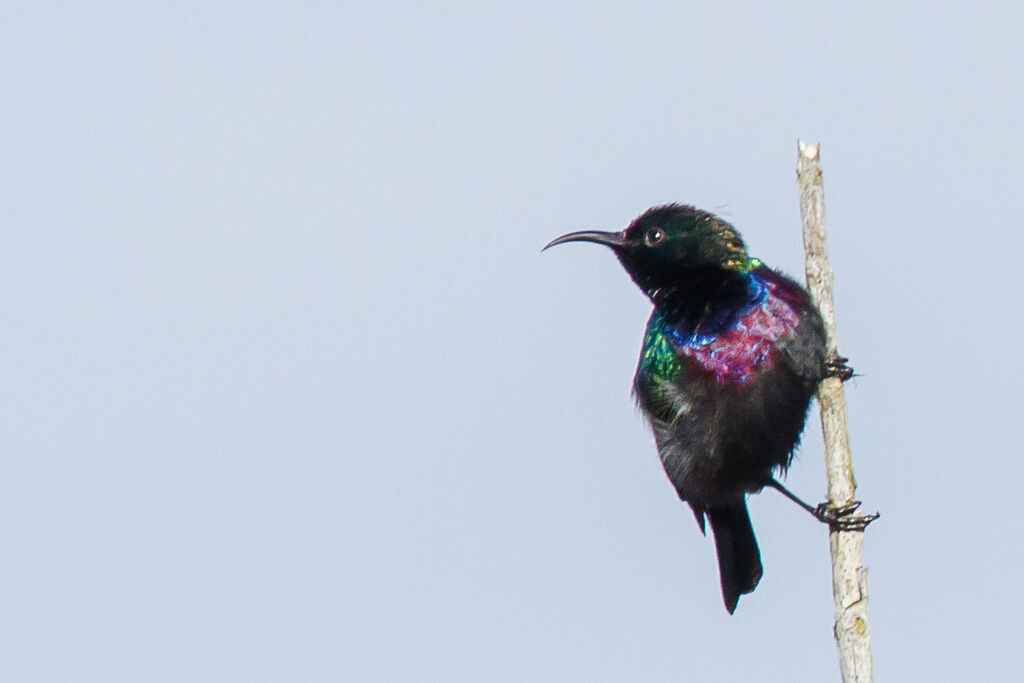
669, 246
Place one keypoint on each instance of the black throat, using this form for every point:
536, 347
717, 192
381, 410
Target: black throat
696, 294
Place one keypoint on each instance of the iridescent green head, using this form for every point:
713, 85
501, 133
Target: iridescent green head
667, 244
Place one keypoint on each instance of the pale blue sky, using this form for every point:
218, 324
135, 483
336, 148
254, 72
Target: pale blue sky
290, 394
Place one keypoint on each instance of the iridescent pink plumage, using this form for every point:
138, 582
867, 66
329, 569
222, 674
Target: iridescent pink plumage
750, 342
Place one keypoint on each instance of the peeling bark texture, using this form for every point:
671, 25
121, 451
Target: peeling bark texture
849, 576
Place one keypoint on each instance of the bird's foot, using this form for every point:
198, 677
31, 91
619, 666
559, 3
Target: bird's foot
836, 366
842, 518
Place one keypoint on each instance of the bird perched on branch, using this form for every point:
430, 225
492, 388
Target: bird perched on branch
732, 354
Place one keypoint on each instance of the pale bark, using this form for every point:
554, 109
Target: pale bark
849, 576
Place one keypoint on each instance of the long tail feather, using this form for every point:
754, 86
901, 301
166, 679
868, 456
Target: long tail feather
739, 560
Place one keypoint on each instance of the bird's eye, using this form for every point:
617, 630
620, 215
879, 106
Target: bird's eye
654, 236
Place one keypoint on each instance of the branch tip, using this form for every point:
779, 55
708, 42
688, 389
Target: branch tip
808, 150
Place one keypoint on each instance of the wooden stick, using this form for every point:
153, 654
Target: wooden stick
849, 576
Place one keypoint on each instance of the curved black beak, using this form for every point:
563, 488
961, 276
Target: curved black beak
610, 239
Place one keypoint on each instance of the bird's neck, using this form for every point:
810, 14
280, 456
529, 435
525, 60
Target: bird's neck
700, 293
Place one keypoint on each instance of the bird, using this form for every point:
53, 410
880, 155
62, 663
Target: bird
731, 356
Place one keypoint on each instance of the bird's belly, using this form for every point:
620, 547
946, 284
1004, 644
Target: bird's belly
715, 441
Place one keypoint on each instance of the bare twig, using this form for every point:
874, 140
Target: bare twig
849, 576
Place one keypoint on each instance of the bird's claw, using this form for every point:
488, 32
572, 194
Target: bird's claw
836, 366
842, 518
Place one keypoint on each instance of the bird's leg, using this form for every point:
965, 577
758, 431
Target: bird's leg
792, 496
838, 518
836, 366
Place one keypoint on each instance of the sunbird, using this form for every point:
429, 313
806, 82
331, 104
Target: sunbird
731, 356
